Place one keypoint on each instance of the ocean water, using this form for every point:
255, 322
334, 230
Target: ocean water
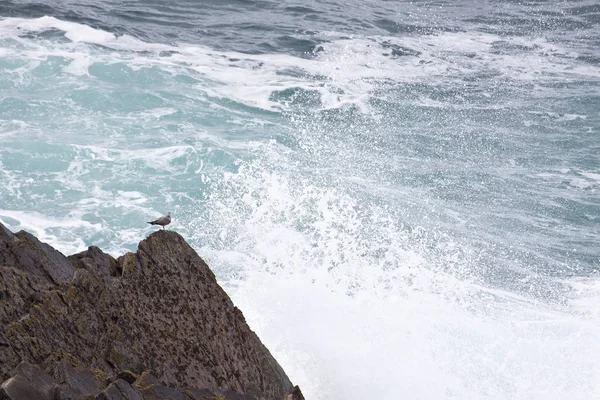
402, 197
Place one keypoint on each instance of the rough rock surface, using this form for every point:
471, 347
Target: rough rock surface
29, 382
26, 252
88, 318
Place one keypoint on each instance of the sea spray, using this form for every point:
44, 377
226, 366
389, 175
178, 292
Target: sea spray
403, 205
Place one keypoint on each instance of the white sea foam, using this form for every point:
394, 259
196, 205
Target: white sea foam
156, 113
12, 128
595, 177
79, 66
585, 180
62, 233
11, 27
159, 158
347, 71
353, 303
354, 306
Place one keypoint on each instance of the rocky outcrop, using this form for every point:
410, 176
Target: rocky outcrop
158, 314
25, 252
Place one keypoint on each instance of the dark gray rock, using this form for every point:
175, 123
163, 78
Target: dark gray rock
295, 395
25, 252
4, 341
231, 395
19, 291
146, 379
6, 236
96, 261
66, 393
28, 383
80, 382
160, 392
163, 312
199, 394
121, 358
128, 377
120, 390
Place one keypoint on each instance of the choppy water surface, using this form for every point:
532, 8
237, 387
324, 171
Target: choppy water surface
402, 197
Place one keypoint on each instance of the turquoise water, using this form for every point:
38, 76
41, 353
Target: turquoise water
402, 198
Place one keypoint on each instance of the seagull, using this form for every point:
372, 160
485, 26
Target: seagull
162, 221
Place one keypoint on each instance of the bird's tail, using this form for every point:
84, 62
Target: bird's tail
151, 222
